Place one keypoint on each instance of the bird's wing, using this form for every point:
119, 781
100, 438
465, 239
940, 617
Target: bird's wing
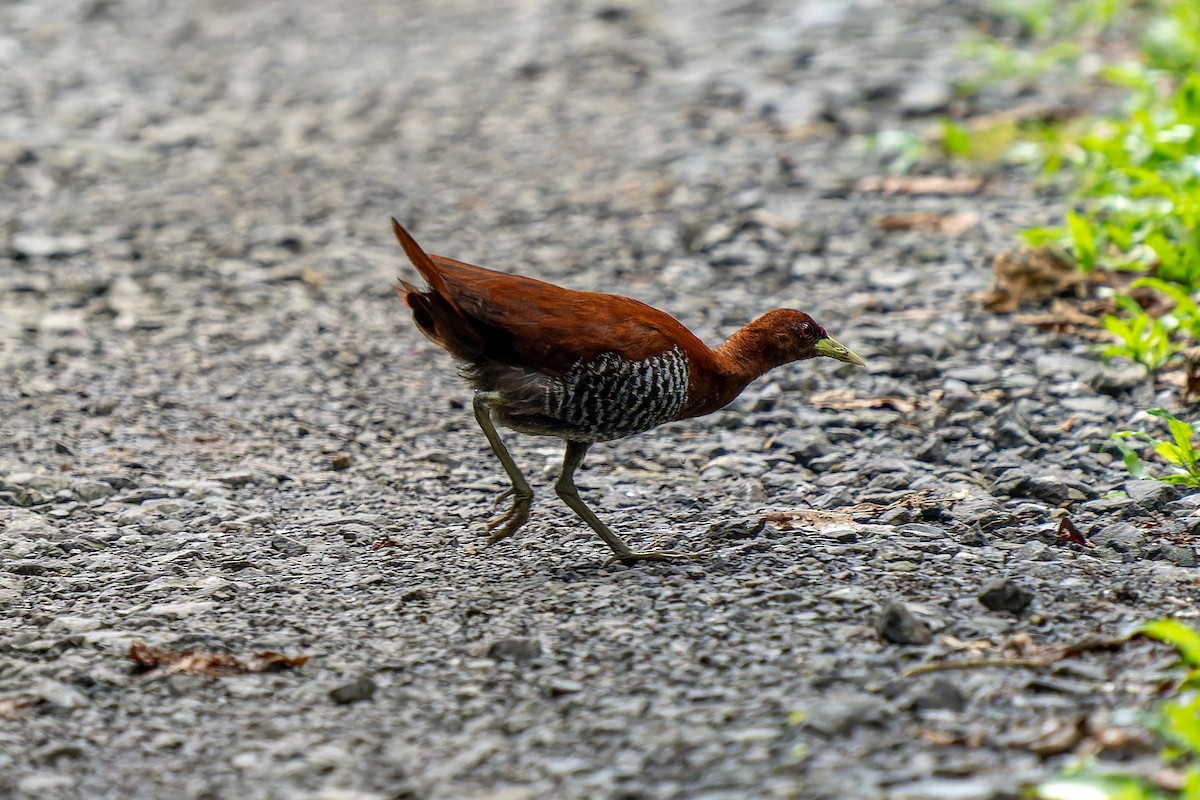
551, 328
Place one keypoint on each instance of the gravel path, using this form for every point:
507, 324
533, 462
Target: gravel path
221, 432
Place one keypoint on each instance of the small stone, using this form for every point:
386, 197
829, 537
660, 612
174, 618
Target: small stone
341, 461
563, 686
65, 696
898, 625
87, 491
39, 566
30, 527
1183, 555
1052, 490
69, 624
1150, 494
945, 789
736, 530
973, 538
1116, 379
49, 246
939, 694
1064, 364
802, 445
1099, 405
975, 374
1121, 537
1188, 504
361, 689
926, 95
839, 715
44, 784
239, 478
896, 516
514, 649
1006, 595
289, 547
117, 481
138, 496
1009, 435
1035, 551
180, 610
933, 451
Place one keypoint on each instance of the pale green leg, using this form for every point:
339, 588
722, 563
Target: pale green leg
565, 488
522, 496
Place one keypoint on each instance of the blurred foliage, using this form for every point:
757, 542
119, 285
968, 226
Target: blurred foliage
1132, 176
1179, 451
1176, 721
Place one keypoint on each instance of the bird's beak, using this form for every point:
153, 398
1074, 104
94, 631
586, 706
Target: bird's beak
836, 350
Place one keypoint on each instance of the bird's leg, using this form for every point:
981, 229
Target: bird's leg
522, 495
565, 488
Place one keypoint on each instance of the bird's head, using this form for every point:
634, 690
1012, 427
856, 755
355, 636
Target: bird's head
798, 336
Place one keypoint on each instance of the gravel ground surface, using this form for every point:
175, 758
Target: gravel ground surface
221, 431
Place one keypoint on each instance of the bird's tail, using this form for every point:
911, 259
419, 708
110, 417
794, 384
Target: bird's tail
435, 312
424, 264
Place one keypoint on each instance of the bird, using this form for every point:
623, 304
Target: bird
586, 367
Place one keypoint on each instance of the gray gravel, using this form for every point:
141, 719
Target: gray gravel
221, 432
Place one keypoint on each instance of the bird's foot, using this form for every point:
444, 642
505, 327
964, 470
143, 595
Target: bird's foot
655, 555
516, 516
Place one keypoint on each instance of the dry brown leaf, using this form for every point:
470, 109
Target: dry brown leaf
17, 706
928, 222
1121, 741
1069, 533
844, 400
916, 501
386, 541
1040, 110
1063, 317
1053, 737
921, 184
183, 662
971, 645
940, 738
1021, 651
818, 518
1031, 274
811, 517
1169, 779
1191, 375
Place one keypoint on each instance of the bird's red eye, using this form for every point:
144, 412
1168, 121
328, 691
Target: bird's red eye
805, 329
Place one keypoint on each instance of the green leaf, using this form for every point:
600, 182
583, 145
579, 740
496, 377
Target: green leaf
1085, 243
1191, 783
1170, 453
1182, 721
1041, 236
956, 140
1133, 462
1181, 432
1171, 631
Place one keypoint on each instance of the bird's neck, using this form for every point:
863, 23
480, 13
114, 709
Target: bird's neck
755, 349
758, 347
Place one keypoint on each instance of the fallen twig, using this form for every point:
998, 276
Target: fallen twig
1049, 660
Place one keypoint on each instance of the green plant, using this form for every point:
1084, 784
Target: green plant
1178, 451
1176, 721
1140, 337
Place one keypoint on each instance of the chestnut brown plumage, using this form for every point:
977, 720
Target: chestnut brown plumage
586, 367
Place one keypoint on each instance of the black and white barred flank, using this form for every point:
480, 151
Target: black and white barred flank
611, 397
607, 397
